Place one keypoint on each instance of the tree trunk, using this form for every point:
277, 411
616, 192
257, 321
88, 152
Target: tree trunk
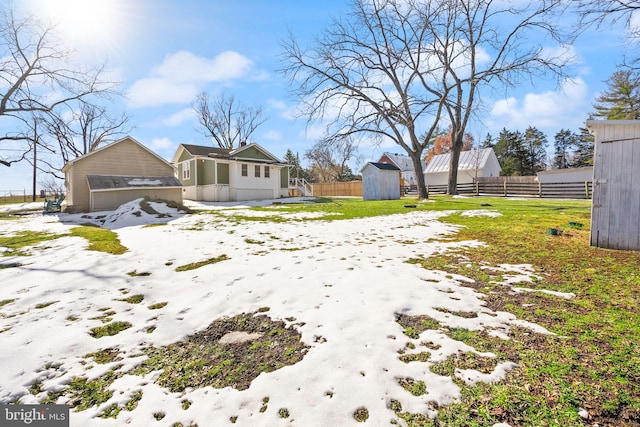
454, 160
423, 193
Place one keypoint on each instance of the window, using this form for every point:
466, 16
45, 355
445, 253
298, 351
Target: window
257, 169
267, 172
244, 170
186, 170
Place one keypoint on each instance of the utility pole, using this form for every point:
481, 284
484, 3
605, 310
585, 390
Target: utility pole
35, 158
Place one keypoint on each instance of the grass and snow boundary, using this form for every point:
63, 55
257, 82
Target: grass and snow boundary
343, 285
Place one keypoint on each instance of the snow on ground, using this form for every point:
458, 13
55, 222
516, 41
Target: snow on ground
343, 281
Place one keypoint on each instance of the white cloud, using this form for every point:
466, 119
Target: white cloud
273, 135
161, 143
179, 118
549, 111
157, 91
184, 66
182, 75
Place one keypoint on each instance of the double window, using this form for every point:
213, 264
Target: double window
245, 170
186, 170
267, 172
257, 171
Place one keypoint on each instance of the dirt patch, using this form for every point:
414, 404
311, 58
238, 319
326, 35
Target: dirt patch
229, 352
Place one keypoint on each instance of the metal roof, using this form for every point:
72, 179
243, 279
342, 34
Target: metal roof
469, 160
404, 162
112, 182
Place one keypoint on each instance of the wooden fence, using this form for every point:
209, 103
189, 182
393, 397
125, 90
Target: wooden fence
567, 190
351, 188
561, 190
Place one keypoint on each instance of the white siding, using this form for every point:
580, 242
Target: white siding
566, 175
380, 184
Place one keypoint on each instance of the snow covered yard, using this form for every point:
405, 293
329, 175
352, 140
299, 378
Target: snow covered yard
342, 285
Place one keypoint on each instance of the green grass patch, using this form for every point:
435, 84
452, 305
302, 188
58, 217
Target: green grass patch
133, 299
16, 244
109, 329
44, 304
593, 360
361, 415
158, 305
134, 273
6, 301
100, 239
194, 265
106, 355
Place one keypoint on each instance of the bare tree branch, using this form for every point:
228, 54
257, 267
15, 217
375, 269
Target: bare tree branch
38, 78
397, 69
226, 121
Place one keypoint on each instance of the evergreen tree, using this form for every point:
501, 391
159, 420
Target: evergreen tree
488, 142
295, 170
509, 152
535, 151
565, 141
583, 155
621, 100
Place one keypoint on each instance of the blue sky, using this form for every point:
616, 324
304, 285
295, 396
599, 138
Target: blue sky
166, 51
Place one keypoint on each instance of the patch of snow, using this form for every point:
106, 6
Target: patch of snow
481, 212
22, 206
565, 295
472, 377
584, 414
238, 336
343, 281
144, 181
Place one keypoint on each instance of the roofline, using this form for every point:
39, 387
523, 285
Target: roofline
611, 122
71, 162
254, 144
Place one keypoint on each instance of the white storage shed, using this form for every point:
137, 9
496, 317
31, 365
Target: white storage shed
615, 212
380, 181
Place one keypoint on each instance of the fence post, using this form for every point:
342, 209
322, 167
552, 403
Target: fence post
539, 189
586, 188
505, 188
477, 188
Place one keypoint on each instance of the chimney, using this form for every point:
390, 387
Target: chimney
243, 143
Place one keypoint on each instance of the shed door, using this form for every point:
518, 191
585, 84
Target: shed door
615, 215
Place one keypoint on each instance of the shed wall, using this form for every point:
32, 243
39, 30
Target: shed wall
615, 214
380, 184
110, 200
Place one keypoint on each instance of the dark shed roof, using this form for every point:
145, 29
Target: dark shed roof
385, 166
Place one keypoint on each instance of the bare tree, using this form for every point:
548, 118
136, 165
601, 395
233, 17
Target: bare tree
81, 131
396, 69
37, 79
225, 120
330, 159
601, 13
